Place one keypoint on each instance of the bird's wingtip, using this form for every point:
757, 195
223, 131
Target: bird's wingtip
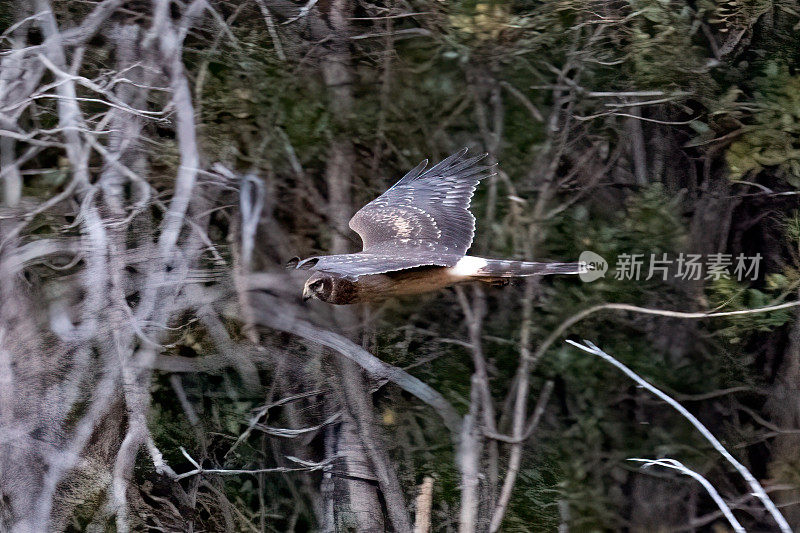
305, 264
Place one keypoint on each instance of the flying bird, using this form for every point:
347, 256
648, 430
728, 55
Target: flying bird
416, 236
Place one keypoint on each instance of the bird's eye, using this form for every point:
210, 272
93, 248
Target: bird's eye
317, 285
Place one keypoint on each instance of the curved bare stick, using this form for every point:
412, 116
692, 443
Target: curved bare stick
170, 43
574, 319
371, 364
677, 465
756, 487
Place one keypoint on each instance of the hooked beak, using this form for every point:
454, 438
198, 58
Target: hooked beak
307, 295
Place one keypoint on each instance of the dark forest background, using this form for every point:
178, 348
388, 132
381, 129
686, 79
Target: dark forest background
161, 160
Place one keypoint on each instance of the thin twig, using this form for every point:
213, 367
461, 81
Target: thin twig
677, 465
307, 466
574, 319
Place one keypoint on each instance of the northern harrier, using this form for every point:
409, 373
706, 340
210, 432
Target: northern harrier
416, 236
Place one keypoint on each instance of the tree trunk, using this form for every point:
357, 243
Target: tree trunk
784, 406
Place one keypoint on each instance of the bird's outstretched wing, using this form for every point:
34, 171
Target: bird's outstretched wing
352, 266
425, 213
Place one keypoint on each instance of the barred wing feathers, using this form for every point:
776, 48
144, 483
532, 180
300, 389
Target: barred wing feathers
422, 220
426, 212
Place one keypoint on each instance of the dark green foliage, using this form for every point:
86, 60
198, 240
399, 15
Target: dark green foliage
773, 138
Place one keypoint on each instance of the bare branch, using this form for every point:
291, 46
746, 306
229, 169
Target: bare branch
308, 466
676, 465
571, 321
758, 490
376, 368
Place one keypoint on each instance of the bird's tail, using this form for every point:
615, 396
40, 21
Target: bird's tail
498, 268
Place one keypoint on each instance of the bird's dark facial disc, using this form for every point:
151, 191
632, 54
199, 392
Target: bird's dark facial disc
320, 286
323, 288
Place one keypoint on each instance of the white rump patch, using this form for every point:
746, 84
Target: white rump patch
468, 266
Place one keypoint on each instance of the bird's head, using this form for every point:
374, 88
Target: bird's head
319, 286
